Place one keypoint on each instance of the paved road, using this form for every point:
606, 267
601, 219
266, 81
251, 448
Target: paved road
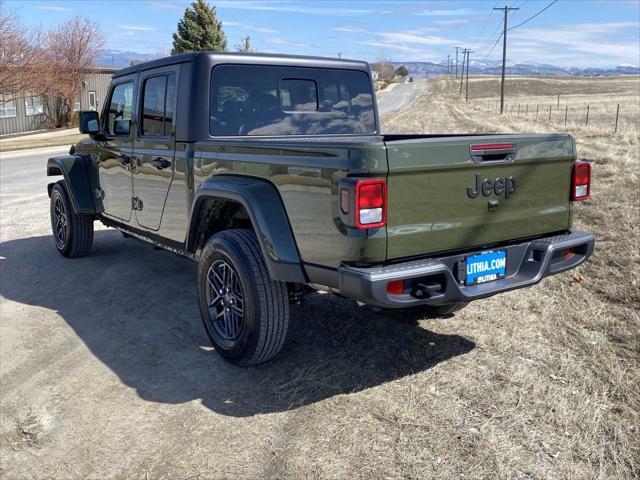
399, 97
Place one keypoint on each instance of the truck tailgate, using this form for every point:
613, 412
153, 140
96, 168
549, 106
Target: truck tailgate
458, 192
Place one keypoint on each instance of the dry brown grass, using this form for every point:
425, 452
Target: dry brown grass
26, 143
553, 389
534, 98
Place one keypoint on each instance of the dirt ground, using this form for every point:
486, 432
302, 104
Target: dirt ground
106, 371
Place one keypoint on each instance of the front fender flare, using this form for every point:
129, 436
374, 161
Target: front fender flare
77, 174
268, 216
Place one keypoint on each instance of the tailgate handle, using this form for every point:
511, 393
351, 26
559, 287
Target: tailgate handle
493, 152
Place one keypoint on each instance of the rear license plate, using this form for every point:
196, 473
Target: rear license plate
486, 267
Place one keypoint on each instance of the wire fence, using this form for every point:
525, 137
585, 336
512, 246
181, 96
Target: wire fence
614, 117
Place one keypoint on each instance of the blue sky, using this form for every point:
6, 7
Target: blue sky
569, 33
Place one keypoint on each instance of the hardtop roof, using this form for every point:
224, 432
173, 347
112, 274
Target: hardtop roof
247, 58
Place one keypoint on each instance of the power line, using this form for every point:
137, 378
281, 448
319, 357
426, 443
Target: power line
484, 27
485, 44
534, 16
501, 33
494, 46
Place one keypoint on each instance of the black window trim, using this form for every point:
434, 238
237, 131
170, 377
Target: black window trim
143, 86
160, 71
107, 107
376, 123
156, 74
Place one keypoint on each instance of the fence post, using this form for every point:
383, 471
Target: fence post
549, 122
518, 110
587, 119
526, 112
615, 130
566, 110
537, 108
558, 101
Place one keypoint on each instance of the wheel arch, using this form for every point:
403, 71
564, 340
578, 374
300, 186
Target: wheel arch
266, 213
79, 179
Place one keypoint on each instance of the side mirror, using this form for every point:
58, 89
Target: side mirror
89, 122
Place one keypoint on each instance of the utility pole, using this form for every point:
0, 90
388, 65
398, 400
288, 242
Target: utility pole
506, 11
449, 65
464, 56
457, 48
467, 88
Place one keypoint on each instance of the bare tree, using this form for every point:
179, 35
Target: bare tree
72, 49
22, 53
245, 45
385, 70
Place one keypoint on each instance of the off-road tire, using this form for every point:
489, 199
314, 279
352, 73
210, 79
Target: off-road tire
265, 301
443, 310
77, 238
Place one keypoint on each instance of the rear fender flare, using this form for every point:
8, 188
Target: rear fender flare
78, 176
269, 219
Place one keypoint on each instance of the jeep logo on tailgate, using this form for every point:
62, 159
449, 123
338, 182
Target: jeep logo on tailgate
500, 187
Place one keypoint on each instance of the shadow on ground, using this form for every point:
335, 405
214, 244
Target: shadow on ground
136, 310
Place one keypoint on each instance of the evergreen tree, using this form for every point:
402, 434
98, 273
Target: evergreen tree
245, 45
199, 30
402, 71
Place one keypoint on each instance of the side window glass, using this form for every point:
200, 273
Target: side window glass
158, 105
153, 106
120, 109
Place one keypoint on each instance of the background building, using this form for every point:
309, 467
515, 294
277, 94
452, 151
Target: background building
26, 113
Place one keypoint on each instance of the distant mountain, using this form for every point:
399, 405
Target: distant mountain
426, 69
120, 59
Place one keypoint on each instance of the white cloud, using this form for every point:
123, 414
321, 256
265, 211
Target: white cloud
413, 38
251, 28
142, 28
165, 5
282, 41
445, 13
456, 21
338, 10
399, 51
581, 44
55, 8
350, 28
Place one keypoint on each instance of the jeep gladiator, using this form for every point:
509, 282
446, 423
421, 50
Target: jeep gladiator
271, 172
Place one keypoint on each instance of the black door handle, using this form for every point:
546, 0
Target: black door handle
160, 163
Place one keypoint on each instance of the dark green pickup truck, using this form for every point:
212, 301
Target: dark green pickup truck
272, 173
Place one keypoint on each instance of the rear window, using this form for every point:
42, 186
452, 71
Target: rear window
259, 100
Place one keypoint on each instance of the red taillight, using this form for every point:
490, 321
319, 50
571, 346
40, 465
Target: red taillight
581, 181
371, 203
395, 287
